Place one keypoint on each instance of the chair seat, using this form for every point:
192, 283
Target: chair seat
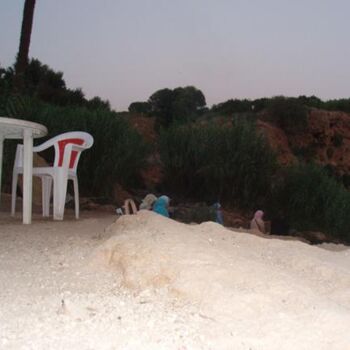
42, 171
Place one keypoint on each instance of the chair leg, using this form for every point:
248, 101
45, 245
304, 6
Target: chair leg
59, 194
46, 194
76, 197
14, 193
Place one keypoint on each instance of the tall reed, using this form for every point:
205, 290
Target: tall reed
230, 163
312, 200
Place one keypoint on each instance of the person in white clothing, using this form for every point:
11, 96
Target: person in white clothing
257, 223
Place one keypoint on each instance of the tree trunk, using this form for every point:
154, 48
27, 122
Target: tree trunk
22, 57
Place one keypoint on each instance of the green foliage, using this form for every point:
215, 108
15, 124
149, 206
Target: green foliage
312, 200
178, 105
337, 105
188, 102
97, 103
161, 107
232, 164
5, 80
140, 107
118, 153
238, 106
42, 82
232, 106
288, 113
40, 76
310, 101
12, 105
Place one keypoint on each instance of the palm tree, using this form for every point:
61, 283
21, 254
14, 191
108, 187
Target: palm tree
22, 57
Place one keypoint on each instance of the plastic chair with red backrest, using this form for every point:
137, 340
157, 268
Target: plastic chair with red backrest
68, 148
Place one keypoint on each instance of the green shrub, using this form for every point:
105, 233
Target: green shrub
342, 104
312, 200
288, 113
118, 153
233, 106
140, 107
230, 163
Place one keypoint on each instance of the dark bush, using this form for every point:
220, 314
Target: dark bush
313, 200
288, 113
43, 83
140, 107
337, 105
180, 105
233, 106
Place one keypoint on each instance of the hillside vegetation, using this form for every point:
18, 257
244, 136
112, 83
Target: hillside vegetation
229, 152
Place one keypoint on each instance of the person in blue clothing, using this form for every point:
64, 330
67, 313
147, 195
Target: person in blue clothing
219, 218
161, 206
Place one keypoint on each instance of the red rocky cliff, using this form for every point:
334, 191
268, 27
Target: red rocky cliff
325, 141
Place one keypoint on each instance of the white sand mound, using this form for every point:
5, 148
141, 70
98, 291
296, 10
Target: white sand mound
278, 294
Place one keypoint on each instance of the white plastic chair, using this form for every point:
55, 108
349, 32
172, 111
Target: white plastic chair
68, 147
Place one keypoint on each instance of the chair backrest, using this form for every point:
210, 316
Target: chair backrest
68, 147
70, 144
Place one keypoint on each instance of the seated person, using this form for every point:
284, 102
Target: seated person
161, 206
257, 223
148, 201
219, 218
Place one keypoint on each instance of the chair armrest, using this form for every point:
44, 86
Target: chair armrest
43, 146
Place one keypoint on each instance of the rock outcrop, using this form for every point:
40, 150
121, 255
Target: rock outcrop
326, 141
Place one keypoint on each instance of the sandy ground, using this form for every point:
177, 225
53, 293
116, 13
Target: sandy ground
146, 282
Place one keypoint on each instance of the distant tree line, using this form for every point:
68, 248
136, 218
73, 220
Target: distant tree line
42, 82
185, 104
239, 106
179, 105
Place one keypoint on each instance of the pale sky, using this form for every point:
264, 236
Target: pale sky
125, 50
